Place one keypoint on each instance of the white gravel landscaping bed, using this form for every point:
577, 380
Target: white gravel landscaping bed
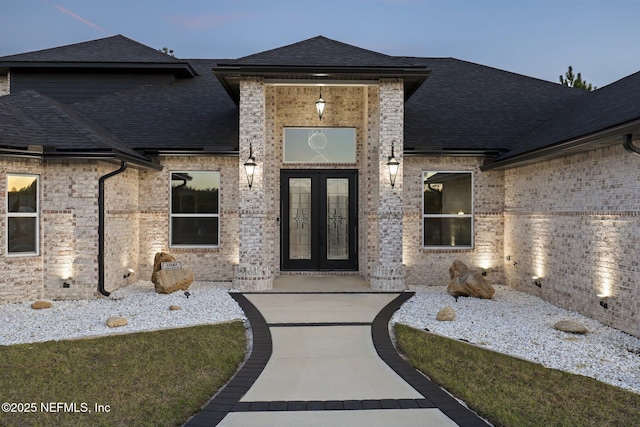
143, 308
521, 325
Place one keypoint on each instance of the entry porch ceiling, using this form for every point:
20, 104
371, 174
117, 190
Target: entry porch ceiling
230, 76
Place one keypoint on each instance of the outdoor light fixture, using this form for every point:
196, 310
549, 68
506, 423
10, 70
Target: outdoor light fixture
604, 303
393, 164
320, 103
537, 281
66, 282
130, 271
250, 166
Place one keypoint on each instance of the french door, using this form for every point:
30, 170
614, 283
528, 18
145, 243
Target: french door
319, 220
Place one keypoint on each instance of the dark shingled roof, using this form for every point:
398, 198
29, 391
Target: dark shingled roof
321, 52
114, 52
462, 107
38, 120
466, 106
192, 114
614, 105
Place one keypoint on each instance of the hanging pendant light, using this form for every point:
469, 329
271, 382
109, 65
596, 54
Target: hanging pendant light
250, 166
320, 104
393, 165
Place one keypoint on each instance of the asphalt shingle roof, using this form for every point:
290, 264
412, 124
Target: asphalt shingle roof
463, 105
34, 119
613, 105
321, 52
114, 49
190, 114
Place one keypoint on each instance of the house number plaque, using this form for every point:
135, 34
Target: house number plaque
171, 266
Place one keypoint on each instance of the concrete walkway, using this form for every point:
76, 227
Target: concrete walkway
323, 359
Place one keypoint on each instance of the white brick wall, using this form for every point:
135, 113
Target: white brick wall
4, 84
21, 277
430, 267
575, 222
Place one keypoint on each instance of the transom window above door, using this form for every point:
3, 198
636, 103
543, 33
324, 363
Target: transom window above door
319, 145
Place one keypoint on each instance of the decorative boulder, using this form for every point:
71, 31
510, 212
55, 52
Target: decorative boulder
447, 314
175, 307
570, 326
116, 322
39, 305
468, 283
168, 281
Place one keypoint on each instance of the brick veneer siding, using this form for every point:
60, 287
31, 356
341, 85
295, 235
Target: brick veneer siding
575, 222
430, 267
5, 87
294, 107
21, 277
207, 264
265, 111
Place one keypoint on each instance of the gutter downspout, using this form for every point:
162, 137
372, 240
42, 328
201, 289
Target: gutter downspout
628, 144
101, 215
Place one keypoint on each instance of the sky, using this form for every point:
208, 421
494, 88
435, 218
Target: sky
538, 38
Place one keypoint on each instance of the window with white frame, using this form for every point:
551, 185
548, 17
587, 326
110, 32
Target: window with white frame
447, 209
195, 209
23, 214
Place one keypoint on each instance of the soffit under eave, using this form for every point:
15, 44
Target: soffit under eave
412, 77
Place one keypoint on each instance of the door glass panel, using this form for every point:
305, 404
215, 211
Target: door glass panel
299, 218
337, 218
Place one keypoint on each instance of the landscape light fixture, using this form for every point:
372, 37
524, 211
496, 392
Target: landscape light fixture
604, 303
129, 272
320, 104
393, 165
250, 166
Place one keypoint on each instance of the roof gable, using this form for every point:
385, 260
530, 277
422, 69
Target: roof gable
321, 52
110, 52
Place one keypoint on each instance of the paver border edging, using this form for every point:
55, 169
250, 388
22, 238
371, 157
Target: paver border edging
220, 405
442, 400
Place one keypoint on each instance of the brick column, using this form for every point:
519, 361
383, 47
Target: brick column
254, 271
389, 272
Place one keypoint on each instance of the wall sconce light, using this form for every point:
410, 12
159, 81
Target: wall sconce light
393, 165
66, 282
130, 271
320, 104
604, 300
250, 166
537, 281
484, 272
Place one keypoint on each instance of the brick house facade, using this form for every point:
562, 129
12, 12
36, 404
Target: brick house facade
521, 178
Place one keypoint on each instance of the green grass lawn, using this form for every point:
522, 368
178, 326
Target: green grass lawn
153, 378
513, 392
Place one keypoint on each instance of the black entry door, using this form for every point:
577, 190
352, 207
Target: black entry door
319, 220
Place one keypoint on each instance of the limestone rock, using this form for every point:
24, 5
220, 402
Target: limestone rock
468, 283
446, 314
167, 281
571, 326
39, 305
175, 307
115, 322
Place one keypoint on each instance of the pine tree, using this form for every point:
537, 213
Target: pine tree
571, 80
